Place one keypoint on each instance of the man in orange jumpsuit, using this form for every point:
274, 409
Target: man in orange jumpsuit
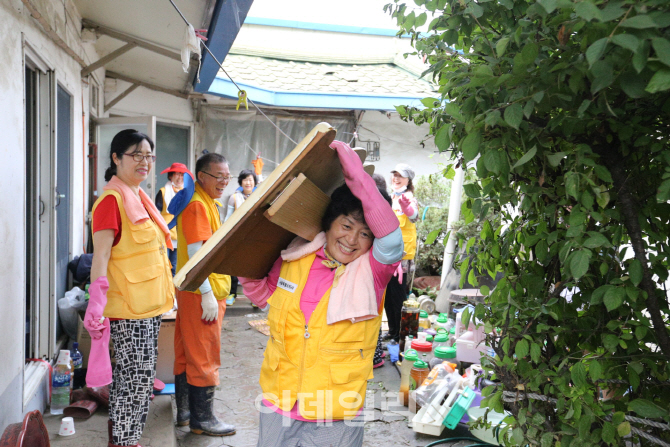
197, 340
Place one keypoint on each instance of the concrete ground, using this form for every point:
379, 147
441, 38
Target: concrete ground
158, 432
241, 356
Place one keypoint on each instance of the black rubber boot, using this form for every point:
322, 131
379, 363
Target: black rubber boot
203, 421
181, 397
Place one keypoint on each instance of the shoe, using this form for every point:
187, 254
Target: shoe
181, 398
378, 365
203, 421
387, 336
230, 300
383, 354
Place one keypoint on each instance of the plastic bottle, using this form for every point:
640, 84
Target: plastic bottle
452, 337
424, 322
410, 356
61, 383
440, 340
417, 375
409, 320
77, 362
423, 347
408, 342
441, 322
445, 354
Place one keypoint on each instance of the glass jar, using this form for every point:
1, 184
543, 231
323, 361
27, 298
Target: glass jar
409, 321
424, 321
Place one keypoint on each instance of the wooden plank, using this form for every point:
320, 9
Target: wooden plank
300, 208
247, 244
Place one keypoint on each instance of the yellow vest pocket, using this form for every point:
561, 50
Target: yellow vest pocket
146, 288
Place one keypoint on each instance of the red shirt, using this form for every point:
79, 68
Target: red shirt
108, 217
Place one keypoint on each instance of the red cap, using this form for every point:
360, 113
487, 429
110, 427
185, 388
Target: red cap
178, 167
422, 346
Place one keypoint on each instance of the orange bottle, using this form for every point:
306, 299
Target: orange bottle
417, 375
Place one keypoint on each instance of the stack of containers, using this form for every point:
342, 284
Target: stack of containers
423, 347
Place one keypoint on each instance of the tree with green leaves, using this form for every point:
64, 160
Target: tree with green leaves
564, 108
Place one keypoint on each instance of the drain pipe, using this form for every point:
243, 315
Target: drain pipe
454, 216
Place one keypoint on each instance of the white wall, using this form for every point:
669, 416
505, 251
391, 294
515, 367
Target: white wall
400, 143
143, 101
15, 22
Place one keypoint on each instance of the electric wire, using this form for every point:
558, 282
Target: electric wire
231, 79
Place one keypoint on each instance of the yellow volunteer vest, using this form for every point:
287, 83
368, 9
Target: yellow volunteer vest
167, 216
139, 275
220, 283
325, 367
408, 229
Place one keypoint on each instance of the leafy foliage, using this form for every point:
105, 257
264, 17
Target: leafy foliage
432, 193
563, 107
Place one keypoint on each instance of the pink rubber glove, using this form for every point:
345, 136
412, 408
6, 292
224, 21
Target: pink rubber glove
99, 364
406, 206
96, 305
99, 371
378, 214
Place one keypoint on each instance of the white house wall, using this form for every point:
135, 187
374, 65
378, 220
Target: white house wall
16, 24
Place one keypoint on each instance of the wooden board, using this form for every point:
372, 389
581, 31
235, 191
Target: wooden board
247, 244
300, 208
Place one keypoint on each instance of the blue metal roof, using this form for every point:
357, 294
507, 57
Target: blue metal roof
311, 99
228, 17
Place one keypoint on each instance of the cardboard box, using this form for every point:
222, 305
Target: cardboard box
84, 340
165, 362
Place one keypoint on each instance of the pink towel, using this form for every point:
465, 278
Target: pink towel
136, 210
354, 297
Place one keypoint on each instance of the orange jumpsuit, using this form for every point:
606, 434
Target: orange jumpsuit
197, 345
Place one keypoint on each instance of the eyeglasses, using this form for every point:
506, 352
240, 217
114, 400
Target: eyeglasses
138, 157
218, 179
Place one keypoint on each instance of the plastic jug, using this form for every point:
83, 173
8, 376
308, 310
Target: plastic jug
61, 383
410, 356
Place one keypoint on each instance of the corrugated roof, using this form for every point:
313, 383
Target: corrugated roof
290, 76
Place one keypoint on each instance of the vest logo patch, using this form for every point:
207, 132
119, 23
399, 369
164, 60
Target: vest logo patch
286, 285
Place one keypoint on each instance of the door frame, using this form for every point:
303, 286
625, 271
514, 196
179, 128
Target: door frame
149, 121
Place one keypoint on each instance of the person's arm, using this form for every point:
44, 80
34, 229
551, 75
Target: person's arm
196, 231
409, 206
158, 201
260, 290
378, 214
103, 241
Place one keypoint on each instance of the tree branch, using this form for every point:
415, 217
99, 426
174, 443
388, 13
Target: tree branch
628, 211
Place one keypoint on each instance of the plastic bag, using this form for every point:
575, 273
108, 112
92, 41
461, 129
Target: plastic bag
68, 309
394, 350
442, 375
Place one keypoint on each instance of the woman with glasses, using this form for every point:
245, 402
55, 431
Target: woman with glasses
131, 285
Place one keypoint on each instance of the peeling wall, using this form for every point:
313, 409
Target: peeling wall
17, 25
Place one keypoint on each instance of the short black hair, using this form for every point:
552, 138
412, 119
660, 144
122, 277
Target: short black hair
342, 202
246, 173
206, 160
